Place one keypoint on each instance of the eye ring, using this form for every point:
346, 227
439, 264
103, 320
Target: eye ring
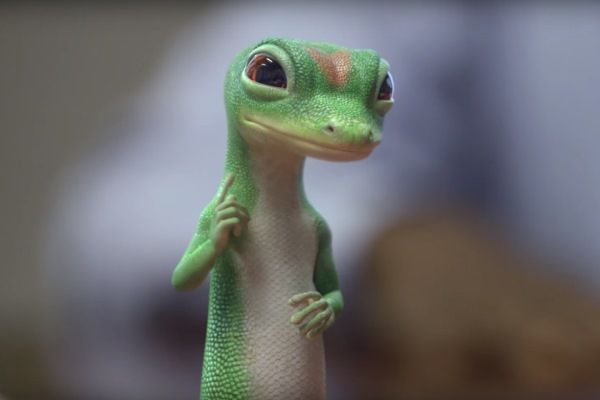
386, 89
266, 70
267, 92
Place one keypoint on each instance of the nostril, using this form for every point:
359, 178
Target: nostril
329, 128
370, 136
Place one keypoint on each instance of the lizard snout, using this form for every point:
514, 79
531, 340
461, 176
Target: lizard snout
352, 132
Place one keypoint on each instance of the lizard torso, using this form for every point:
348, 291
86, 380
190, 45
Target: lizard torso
277, 261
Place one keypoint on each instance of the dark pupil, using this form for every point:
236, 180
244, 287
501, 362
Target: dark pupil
387, 88
267, 71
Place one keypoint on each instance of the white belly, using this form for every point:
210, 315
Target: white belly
276, 262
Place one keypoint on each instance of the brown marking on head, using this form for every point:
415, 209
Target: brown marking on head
335, 66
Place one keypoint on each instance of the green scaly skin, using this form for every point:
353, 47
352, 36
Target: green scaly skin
297, 120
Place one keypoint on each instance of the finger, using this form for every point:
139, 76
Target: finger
301, 315
316, 331
230, 203
322, 328
238, 229
225, 226
227, 183
302, 297
315, 322
329, 321
232, 212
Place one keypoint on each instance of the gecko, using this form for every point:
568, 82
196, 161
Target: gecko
273, 285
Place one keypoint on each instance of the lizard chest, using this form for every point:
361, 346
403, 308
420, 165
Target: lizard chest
276, 263
278, 256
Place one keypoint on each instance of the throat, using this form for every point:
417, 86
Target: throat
278, 176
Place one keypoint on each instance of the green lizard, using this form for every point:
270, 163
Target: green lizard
267, 247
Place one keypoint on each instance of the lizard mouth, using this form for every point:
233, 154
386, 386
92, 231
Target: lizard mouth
327, 150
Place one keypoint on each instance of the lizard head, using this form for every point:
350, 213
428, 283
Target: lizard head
314, 99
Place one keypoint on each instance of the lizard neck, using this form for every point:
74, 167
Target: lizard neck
271, 173
278, 175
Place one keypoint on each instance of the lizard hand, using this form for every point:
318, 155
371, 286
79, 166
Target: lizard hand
315, 314
230, 217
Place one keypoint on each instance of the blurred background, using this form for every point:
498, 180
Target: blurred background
468, 244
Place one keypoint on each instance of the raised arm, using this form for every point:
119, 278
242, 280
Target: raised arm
223, 217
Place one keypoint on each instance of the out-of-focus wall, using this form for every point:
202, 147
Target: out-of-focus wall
113, 135
67, 70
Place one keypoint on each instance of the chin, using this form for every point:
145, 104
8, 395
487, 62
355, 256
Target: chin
260, 135
329, 154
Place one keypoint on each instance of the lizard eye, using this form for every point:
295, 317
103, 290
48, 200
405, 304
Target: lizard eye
263, 69
386, 90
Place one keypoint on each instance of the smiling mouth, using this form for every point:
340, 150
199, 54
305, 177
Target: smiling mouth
351, 151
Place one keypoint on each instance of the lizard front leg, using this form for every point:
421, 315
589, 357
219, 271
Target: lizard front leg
318, 310
223, 218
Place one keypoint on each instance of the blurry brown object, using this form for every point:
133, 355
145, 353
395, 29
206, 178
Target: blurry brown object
456, 314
